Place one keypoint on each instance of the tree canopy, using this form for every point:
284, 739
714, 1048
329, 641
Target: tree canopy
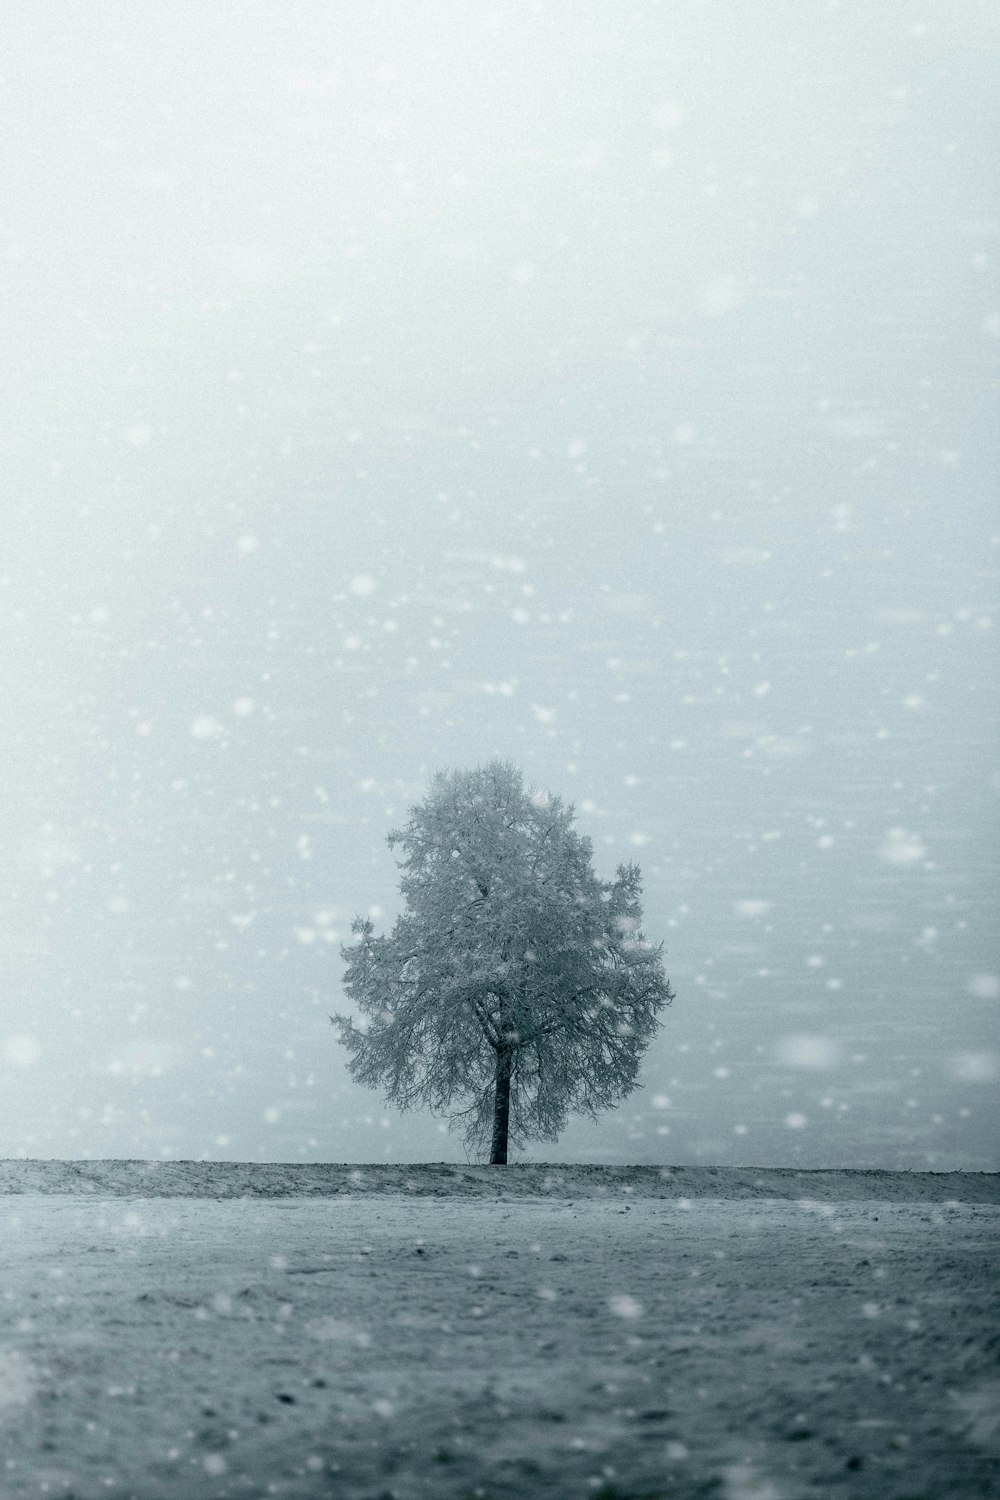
517, 986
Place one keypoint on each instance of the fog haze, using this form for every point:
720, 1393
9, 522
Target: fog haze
607, 388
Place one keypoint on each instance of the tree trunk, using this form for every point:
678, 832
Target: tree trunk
501, 1108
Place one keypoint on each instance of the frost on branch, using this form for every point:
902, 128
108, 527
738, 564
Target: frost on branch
517, 986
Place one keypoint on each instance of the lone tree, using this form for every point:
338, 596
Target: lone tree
516, 986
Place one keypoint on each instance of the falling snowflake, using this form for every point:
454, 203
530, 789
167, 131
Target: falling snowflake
205, 727
901, 848
624, 1306
20, 1050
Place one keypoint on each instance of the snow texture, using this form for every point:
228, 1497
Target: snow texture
236, 1179
495, 1334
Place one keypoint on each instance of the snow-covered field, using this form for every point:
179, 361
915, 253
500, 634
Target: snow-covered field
461, 1332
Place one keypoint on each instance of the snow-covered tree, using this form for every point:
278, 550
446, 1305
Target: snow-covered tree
517, 986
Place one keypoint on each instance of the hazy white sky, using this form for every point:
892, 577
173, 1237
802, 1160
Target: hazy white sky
612, 388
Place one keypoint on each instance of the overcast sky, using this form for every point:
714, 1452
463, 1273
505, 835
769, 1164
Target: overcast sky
611, 388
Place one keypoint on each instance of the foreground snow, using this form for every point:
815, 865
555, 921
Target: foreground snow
375, 1344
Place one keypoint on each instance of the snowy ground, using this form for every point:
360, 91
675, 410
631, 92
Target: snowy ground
240, 1179
556, 1342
